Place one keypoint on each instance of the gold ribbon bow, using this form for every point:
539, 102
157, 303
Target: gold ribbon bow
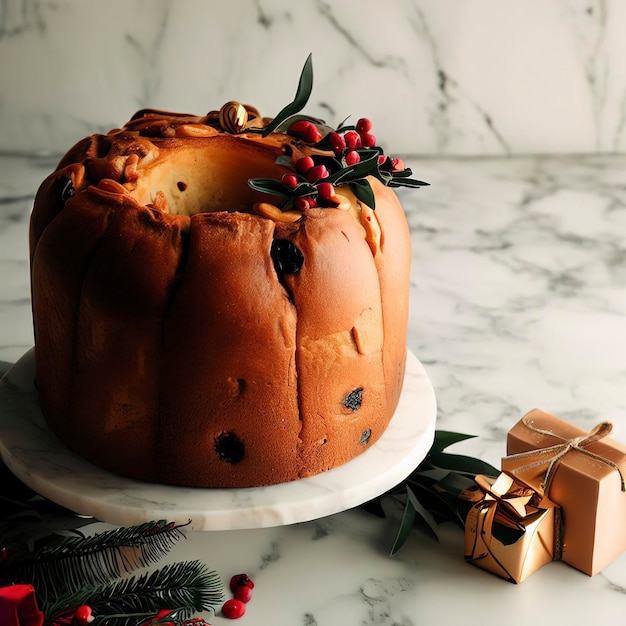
534, 538
558, 451
512, 500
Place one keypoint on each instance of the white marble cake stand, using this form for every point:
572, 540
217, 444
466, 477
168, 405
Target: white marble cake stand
46, 465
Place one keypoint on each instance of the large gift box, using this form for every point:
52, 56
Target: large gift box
581, 472
511, 530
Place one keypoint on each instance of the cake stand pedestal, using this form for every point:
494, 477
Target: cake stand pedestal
40, 460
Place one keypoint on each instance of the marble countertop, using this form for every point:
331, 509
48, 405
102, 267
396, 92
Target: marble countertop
518, 301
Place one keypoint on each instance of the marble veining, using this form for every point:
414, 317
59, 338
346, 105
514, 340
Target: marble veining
439, 77
518, 300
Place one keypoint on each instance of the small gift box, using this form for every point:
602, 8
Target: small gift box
581, 472
512, 530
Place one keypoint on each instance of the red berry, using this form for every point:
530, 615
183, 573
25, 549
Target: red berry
368, 140
363, 126
352, 158
240, 580
382, 159
244, 594
317, 173
233, 609
289, 180
304, 164
306, 131
302, 204
353, 140
82, 615
326, 191
337, 142
398, 165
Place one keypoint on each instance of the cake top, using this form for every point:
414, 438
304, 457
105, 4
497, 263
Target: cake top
317, 157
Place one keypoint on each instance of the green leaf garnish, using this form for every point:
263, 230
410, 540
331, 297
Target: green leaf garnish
303, 93
355, 176
364, 192
439, 489
270, 186
413, 511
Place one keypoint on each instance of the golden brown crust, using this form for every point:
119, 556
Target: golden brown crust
182, 338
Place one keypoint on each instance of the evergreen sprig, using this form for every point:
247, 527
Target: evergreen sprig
186, 588
58, 566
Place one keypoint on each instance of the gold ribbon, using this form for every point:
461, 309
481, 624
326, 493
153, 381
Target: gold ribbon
561, 449
508, 502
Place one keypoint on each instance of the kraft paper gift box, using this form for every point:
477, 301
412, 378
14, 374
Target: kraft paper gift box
581, 472
512, 530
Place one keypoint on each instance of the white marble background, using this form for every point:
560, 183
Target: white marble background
438, 77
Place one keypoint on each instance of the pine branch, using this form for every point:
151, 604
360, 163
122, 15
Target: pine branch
185, 588
70, 563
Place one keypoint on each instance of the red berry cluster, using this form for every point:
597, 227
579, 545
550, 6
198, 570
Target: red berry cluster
241, 586
346, 146
308, 171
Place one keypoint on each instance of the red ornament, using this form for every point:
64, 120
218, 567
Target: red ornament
233, 609
352, 158
363, 126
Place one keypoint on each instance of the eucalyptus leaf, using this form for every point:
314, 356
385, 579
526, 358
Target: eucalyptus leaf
446, 438
466, 464
407, 182
305, 86
284, 160
406, 525
412, 510
423, 513
442, 506
364, 192
269, 185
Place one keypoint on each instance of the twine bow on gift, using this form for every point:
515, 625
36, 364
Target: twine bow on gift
558, 451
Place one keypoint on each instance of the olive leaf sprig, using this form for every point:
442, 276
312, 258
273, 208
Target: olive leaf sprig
347, 155
435, 492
